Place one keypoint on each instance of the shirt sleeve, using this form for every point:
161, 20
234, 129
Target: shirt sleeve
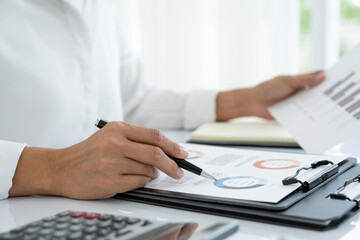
160, 108
9, 156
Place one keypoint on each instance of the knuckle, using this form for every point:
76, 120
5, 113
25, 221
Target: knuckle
150, 171
158, 136
111, 141
156, 154
117, 126
174, 167
176, 148
113, 125
108, 143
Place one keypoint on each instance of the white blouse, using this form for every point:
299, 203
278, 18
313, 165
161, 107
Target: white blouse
63, 64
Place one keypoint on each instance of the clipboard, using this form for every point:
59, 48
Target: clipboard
311, 209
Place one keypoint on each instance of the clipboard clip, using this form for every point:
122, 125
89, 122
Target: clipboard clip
316, 179
340, 196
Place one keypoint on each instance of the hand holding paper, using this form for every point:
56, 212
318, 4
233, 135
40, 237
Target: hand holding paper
327, 114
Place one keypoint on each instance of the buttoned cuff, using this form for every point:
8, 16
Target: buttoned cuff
200, 107
10, 153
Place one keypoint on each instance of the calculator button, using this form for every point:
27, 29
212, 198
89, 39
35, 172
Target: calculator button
48, 224
90, 236
91, 215
102, 238
119, 218
29, 237
91, 222
31, 230
34, 224
46, 231
50, 218
90, 229
104, 224
75, 235
78, 214
122, 232
60, 233
76, 220
105, 217
10, 236
63, 219
103, 231
120, 225
75, 228
145, 223
44, 238
133, 220
17, 230
60, 226
64, 214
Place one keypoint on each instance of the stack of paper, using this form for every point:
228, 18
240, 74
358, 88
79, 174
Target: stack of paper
247, 131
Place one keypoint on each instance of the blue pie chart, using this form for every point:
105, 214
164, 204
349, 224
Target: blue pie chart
241, 182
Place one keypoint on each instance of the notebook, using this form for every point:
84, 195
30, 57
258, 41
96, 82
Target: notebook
244, 131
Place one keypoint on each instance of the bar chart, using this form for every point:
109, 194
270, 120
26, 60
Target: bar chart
327, 114
346, 92
338, 84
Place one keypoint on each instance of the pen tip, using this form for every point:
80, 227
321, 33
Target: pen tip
207, 175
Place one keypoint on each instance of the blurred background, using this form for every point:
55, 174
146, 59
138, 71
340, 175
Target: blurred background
191, 44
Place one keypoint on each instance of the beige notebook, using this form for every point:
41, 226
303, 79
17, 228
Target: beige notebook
245, 131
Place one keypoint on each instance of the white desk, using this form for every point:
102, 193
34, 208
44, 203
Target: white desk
18, 211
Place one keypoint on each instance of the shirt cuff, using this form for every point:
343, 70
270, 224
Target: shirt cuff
9, 156
200, 107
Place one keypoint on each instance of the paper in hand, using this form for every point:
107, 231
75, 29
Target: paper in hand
328, 114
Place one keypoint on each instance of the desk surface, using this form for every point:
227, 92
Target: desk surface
19, 211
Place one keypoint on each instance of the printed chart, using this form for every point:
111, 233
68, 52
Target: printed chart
328, 114
240, 173
345, 93
277, 164
242, 182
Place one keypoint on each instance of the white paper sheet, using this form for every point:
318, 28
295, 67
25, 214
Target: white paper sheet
242, 174
328, 114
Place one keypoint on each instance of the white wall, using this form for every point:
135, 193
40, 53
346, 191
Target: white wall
187, 44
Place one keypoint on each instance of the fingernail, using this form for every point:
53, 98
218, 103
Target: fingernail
184, 153
194, 228
180, 173
157, 173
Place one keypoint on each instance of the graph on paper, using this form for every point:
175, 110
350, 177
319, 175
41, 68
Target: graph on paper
329, 113
346, 93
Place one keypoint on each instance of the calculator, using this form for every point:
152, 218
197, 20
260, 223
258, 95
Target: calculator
90, 225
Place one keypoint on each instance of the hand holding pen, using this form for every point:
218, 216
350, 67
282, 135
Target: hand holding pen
180, 162
119, 158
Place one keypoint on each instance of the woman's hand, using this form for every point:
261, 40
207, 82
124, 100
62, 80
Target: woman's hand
118, 158
256, 101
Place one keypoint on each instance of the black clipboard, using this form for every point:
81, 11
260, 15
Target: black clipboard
312, 209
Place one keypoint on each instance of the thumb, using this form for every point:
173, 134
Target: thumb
308, 80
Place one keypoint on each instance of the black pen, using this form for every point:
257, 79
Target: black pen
100, 123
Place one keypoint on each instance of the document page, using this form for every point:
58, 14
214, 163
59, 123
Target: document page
328, 114
241, 174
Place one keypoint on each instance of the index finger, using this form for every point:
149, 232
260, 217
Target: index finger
156, 138
307, 80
